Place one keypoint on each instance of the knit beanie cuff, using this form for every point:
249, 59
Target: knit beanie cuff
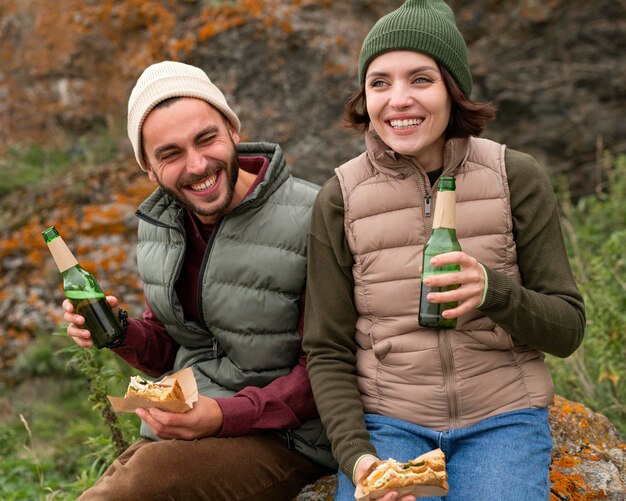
166, 80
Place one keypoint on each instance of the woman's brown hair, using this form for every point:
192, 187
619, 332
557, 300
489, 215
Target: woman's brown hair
467, 118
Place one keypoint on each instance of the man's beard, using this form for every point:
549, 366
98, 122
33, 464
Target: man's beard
232, 173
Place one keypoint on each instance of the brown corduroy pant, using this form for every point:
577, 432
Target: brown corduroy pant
257, 467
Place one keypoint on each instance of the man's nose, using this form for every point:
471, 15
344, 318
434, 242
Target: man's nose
195, 161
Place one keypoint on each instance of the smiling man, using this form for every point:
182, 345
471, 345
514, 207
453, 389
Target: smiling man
222, 254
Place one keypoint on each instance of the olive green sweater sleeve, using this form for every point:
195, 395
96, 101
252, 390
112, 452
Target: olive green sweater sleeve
329, 322
546, 311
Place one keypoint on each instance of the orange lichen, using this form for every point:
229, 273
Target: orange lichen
571, 486
566, 462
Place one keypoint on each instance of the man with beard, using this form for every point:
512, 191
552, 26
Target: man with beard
222, 255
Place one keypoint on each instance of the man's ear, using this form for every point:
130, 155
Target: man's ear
234, 134
150, 172
147, 165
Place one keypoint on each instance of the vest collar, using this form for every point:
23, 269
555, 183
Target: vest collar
275, 175
393, 164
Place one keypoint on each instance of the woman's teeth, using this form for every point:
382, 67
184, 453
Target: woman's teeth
399, 124
204, 185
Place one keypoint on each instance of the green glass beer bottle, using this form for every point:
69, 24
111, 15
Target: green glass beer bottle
442, 239
81, 288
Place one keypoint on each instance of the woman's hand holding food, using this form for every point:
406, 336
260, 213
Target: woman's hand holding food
363, 466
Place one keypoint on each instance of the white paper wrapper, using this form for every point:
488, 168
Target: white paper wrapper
187, 383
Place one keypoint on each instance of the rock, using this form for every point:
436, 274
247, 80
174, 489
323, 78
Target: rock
555, 70
587, 458
322, 490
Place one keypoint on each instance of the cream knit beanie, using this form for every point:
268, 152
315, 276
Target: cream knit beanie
168, 79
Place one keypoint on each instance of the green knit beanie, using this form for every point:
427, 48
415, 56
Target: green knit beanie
426, 26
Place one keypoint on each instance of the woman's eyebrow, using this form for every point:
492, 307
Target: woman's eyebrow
414, 70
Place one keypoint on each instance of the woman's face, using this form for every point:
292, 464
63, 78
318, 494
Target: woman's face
409, 105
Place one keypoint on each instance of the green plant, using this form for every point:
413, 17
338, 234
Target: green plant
33, 452
595, 234
28, 165
41, 358
97, 377
53, 444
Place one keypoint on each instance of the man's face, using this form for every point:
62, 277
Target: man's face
189, 150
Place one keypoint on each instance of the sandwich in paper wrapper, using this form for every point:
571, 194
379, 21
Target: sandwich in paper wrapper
174, 393
423, 476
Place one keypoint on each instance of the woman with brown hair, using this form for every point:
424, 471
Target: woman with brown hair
384, 385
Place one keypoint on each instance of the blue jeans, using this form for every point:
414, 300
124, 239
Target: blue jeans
505, 457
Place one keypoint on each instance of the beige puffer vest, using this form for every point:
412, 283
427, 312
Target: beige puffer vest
440, 379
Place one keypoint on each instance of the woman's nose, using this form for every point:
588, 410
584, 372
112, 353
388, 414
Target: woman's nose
400, 97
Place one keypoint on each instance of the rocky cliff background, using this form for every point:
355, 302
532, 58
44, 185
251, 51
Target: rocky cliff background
555, 69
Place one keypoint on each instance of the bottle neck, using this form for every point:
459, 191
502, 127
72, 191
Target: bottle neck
445, 210
62, 255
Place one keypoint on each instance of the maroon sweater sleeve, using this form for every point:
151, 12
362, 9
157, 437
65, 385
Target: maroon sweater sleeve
284, 403
147, 345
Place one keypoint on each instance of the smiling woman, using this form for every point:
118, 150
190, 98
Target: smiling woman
386, 385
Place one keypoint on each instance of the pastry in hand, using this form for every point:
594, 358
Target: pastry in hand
163, 391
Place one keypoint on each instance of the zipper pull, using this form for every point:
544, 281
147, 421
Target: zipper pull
214, 347
427, 205
290, 442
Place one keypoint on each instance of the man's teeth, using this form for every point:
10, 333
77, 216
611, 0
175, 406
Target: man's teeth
406, 123
204, 185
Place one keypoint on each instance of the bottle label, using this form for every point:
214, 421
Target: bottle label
62, 255
78, 294
445, 210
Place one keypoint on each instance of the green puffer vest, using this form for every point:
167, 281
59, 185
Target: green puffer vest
252, 277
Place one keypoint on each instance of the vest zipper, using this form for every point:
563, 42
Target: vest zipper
205, 261
179, 260
445, 350
447, 366
215, 346
428, 204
